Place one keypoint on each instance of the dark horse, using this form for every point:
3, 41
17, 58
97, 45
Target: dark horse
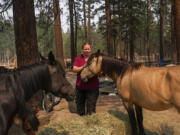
153, 88
18, 86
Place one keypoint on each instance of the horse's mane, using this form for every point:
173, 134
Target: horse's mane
5, 70
120, 66
110, 64
30, 77
11, 70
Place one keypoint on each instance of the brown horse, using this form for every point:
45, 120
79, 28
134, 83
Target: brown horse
18, 86
155, 88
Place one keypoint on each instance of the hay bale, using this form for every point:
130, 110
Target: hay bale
97, 124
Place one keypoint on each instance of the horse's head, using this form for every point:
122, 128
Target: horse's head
59, 85
93, 66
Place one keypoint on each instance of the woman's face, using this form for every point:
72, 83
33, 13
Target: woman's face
87, 50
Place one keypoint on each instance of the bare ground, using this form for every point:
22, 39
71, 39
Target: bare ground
156, 123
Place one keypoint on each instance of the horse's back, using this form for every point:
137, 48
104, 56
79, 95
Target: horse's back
158, 75
150, 87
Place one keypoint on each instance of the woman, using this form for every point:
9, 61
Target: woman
87, 93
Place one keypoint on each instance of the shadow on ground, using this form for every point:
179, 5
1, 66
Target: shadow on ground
124, 117
51, 131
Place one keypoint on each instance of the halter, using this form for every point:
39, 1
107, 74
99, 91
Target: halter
89, 69
87, 66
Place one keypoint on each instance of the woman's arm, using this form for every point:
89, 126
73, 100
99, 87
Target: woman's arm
77, 69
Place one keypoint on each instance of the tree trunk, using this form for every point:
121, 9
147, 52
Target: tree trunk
121, 48
58, 33
76, 31
121, 43
85, 26
26, 41
147, 29
71, 13
162, 25
177, 28
89, 21
25, 32
114, 46
131, 32
173, 35
109, 28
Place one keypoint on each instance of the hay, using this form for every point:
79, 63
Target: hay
97, 124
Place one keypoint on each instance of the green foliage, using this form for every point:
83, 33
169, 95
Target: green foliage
7, 42
66, 44
45, 27
134, 20
46, 39
121, 18
98, 41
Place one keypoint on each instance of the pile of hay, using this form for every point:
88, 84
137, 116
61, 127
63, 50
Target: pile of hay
102, 123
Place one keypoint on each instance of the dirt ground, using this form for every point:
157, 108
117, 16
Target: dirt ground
156, 123
60, 112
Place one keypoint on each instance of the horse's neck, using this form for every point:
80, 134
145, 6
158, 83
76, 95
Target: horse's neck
34, 79
112, 67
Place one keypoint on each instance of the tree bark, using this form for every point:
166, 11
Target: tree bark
109, 28
162, 25
25, 32
131, 32
173, 35
76, 30
147, 29
71, 13
177, 27
26, 41
89, 21
122, 49
58, 33
121, 43
85, 26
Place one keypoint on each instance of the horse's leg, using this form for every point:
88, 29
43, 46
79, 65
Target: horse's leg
132, 118
30, 121
24, 125
28, 128
30, 118
139, 117
24, 113
3, 124
176, 101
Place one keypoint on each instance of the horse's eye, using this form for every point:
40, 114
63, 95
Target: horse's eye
88, 63
56, 72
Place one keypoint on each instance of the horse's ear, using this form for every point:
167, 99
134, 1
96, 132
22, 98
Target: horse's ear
42, 58
51, 58
98, 52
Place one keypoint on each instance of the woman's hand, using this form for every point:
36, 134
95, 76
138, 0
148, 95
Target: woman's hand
78, 69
